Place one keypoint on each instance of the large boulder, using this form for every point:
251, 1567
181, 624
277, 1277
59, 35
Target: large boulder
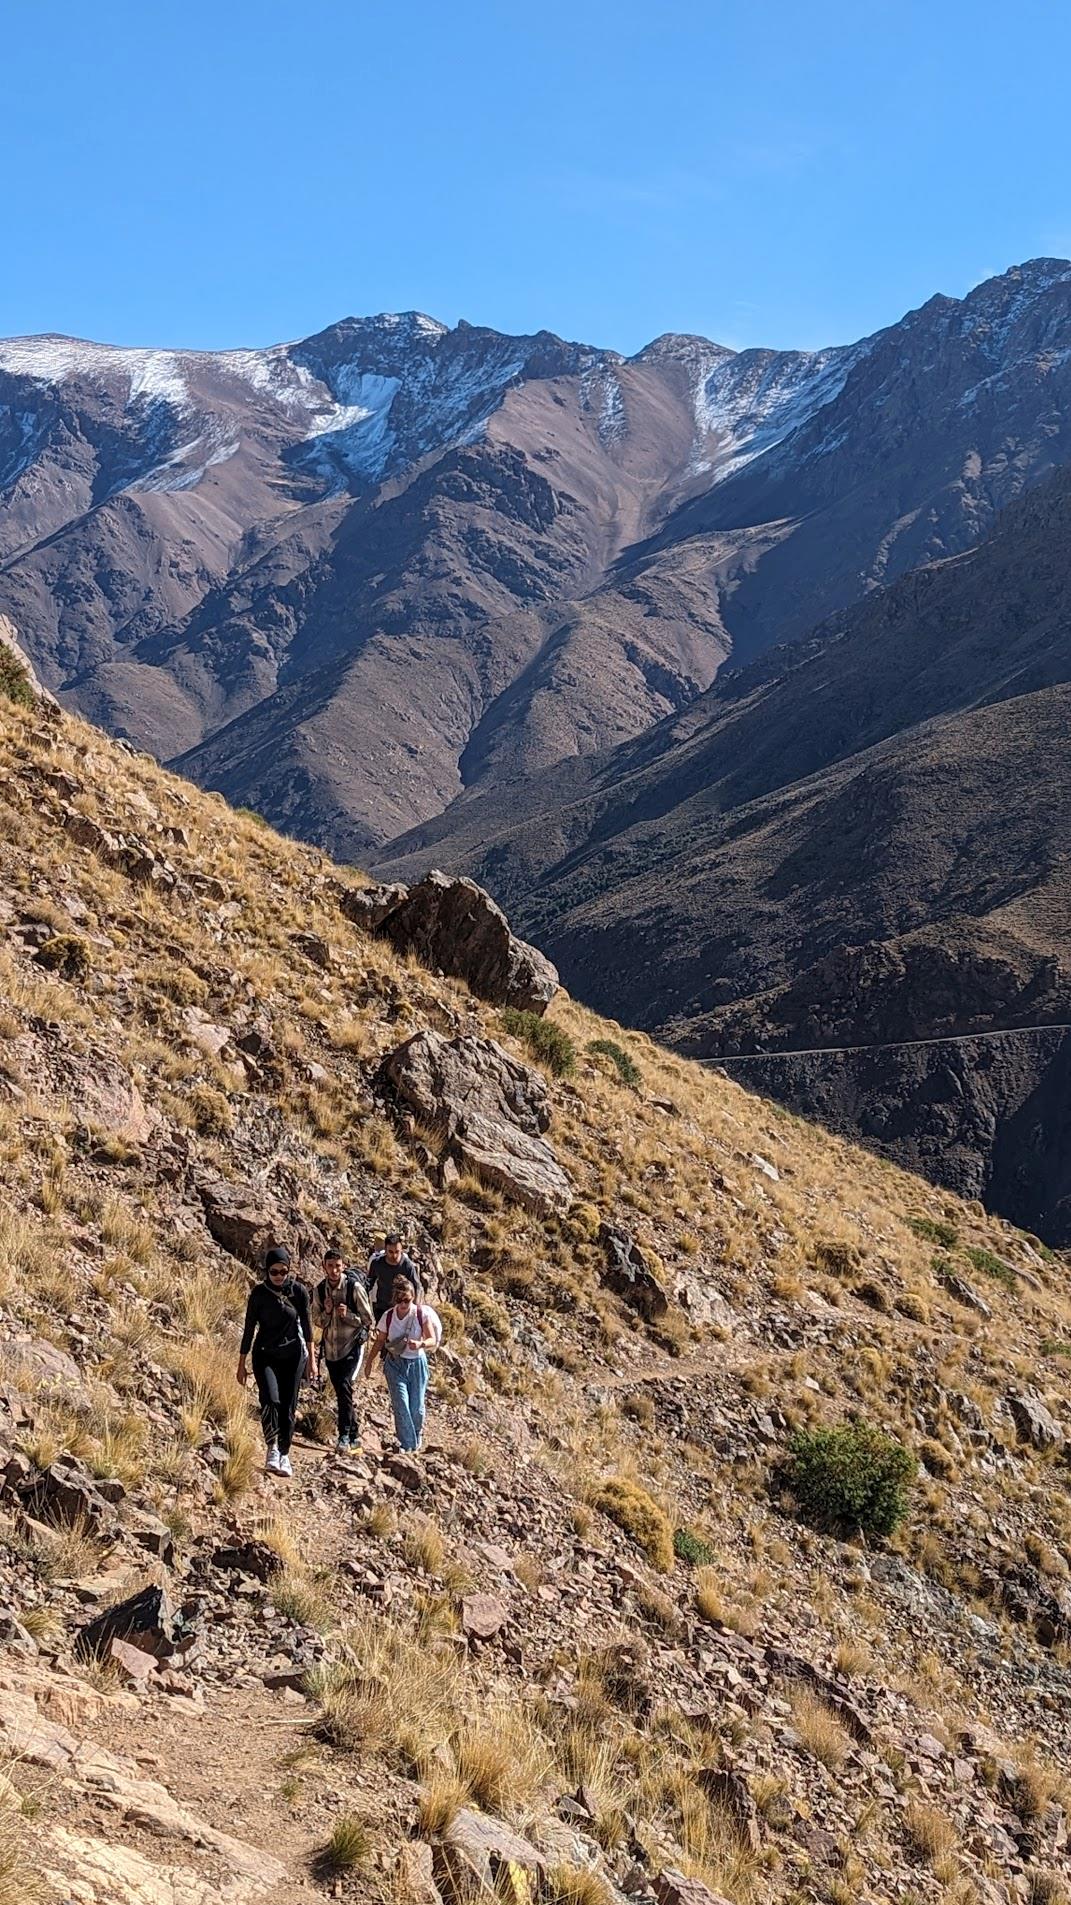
478, 1856
246, 1223
455, 927
1035, 1423
485, 1111
144, 1620
629, 1274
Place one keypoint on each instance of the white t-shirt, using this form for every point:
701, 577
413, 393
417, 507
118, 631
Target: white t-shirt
408, 1328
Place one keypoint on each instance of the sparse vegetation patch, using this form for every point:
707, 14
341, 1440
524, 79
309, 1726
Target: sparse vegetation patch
547, 1042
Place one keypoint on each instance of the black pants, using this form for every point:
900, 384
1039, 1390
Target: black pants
278, 1377
343, 1374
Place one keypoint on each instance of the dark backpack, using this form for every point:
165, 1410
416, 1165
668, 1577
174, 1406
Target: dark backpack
356, 1300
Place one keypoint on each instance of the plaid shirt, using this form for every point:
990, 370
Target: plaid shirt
341, 1334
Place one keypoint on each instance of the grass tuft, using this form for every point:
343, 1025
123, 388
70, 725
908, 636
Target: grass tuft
638, 1514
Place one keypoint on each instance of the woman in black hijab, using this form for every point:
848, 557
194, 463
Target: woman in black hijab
279, 1333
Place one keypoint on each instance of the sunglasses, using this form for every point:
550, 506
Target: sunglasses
279, 1270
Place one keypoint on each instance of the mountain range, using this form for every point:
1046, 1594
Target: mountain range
740, 677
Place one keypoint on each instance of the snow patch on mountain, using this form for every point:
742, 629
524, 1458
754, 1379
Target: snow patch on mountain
355, 430
751, 401
153, 375
601, 395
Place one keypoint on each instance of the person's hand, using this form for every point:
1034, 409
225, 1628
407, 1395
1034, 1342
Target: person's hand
242, 1373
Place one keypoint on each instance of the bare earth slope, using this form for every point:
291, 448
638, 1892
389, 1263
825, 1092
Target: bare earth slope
190, 1062
350, 579
901, 784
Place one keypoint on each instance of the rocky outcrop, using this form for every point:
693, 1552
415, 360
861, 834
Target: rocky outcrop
144, 1621
629, 1274
484, 1111
246, 1224
17, 673
1034, 1422
477, 1853
455, 927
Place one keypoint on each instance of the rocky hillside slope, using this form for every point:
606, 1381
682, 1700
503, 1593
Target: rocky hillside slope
860, 840
586, 1651
348, 579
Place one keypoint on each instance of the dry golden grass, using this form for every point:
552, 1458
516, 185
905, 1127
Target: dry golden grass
711, 1604
502, 1759
119, 1449
424, 1547
576, 1885
590, 1755
853, 1656
639, 1515
125, 1230
244, 1454
277, 1535
932, 1836
1037, 1784
68, 1553
819, 1729
304, 1596
440, 1801
21, 1882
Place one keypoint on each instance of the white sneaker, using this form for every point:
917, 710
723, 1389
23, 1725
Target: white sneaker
283, 1465
273, 1460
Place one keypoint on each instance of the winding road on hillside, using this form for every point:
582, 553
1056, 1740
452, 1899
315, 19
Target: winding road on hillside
892, 1045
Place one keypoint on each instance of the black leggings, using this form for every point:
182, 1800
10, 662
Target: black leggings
343, 1374
278, 1376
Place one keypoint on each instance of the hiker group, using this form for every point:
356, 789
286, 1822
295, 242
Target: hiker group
351, 1321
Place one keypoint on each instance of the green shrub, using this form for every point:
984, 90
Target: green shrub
348, 1845
638, 1514
15, 682
991, 1266
553, 1047
850, 1477
934, 1232
690, 1547
626, 1068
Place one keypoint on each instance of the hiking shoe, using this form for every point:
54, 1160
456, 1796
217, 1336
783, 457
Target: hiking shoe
273, 1459
342, 1445
284, 1465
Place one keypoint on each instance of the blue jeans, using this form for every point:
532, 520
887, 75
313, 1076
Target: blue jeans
407, 1380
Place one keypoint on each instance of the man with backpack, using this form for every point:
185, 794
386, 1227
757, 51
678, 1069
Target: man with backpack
384, 1267
341, 1311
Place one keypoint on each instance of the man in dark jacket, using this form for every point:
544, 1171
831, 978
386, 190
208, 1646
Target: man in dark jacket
387, 1264
278, 1330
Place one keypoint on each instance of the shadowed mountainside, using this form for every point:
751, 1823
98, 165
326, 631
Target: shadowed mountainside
900, 784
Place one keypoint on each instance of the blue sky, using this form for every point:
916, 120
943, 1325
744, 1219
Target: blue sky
795, 172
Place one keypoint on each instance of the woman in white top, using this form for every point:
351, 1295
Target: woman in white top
404, 1335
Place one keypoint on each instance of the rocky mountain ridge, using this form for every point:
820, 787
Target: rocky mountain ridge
350, 580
